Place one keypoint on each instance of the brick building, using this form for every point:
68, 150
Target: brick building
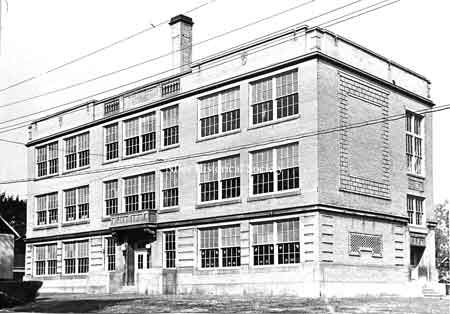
229, 176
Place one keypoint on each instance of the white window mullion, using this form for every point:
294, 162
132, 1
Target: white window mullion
219, 112
219, 178
274, 98
275, 241
275, 169
219, 245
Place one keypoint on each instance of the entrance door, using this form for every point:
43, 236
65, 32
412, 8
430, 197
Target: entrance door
143, 261
130, 266
417, 271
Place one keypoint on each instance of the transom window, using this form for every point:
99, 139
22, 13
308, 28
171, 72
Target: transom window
219, 113
414, 140
285, 234
220, 179
220, 246
47, 159
280, 164
76, 257
111, 197
170, 187
47, 209
281, 89
111, 107
76, 203
77, 151
170, 126
139, 192
140, 134
414, 207
45, 259
169, 249
112, 141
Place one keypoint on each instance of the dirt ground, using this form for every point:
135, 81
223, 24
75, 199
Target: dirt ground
75, 303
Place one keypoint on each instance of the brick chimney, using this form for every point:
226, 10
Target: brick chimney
181, 42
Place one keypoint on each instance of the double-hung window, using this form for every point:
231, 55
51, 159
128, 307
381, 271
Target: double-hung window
414, 143
280, 164
76, 257
131, 136
112, 141
220, 179
414, 207
170, 192
47, 159
45, 259
139, 192
47, 209
111, 197
220, 113
140, 134
170, 126
281, 89
169, 249
77, 151
76, 203
148, 132
220, 247
286, 238
110, 254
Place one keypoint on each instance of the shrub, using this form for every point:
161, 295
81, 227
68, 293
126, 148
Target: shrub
18, 292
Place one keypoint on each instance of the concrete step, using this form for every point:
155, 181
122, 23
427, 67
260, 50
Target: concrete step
429, 292
126, 289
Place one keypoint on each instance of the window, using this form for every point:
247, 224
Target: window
77, 203
76, 257
170, 187
77, 151
414, 139
220, 246
47, 209
170, 126
220, 179
169, 249
140, 134
47, 159
140, 192
140, 261
281, 163
45, 259
287, 241
220, 112
414, 207
285, 88
111, 107
111, 254
112, 141
111, 197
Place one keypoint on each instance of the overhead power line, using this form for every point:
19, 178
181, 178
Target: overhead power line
115, 43
24, 123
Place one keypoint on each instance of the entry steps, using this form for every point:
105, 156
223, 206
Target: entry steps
432, 291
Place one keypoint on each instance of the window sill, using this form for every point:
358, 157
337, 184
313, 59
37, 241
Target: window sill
169, 210
43, 227
418, 176
76, 222
169, 147
267, 123
139, 155
218, 203
106, 218
76, 169
46, 177
211, 137
273, 195
107, 162
74, 276
418, 228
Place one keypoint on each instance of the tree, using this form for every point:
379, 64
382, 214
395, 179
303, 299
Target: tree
14, 211
442, 239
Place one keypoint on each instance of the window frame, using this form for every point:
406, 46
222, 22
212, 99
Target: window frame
47, 209
77, 258
165, 251
140, 135
108, 255
47, 161
139, 192
76, 204
161, 196
415, 199
77, 152
105, 143
177, 126
415, 117
46, 260
105, 199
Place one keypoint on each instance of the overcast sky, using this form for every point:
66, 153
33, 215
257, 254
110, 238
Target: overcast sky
38, 35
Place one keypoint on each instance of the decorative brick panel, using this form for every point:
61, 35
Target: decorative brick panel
327, 238
352, 87
416, 184
399, 245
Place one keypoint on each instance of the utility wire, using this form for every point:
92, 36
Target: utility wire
82, 57
24, 123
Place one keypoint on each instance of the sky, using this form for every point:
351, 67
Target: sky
39, 35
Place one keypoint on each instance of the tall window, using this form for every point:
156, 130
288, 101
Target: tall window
170, 126
47, 209
45, 260
76, 203
414, 207
286, 238
285, 88
220, 112
131, 137
77, 151
111, 197
112, 141
220, 179
139, 192
414, 140
76, 257
140, 134
280, 164
220, 247
111, 254
170, 187
47, 159
169, 249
